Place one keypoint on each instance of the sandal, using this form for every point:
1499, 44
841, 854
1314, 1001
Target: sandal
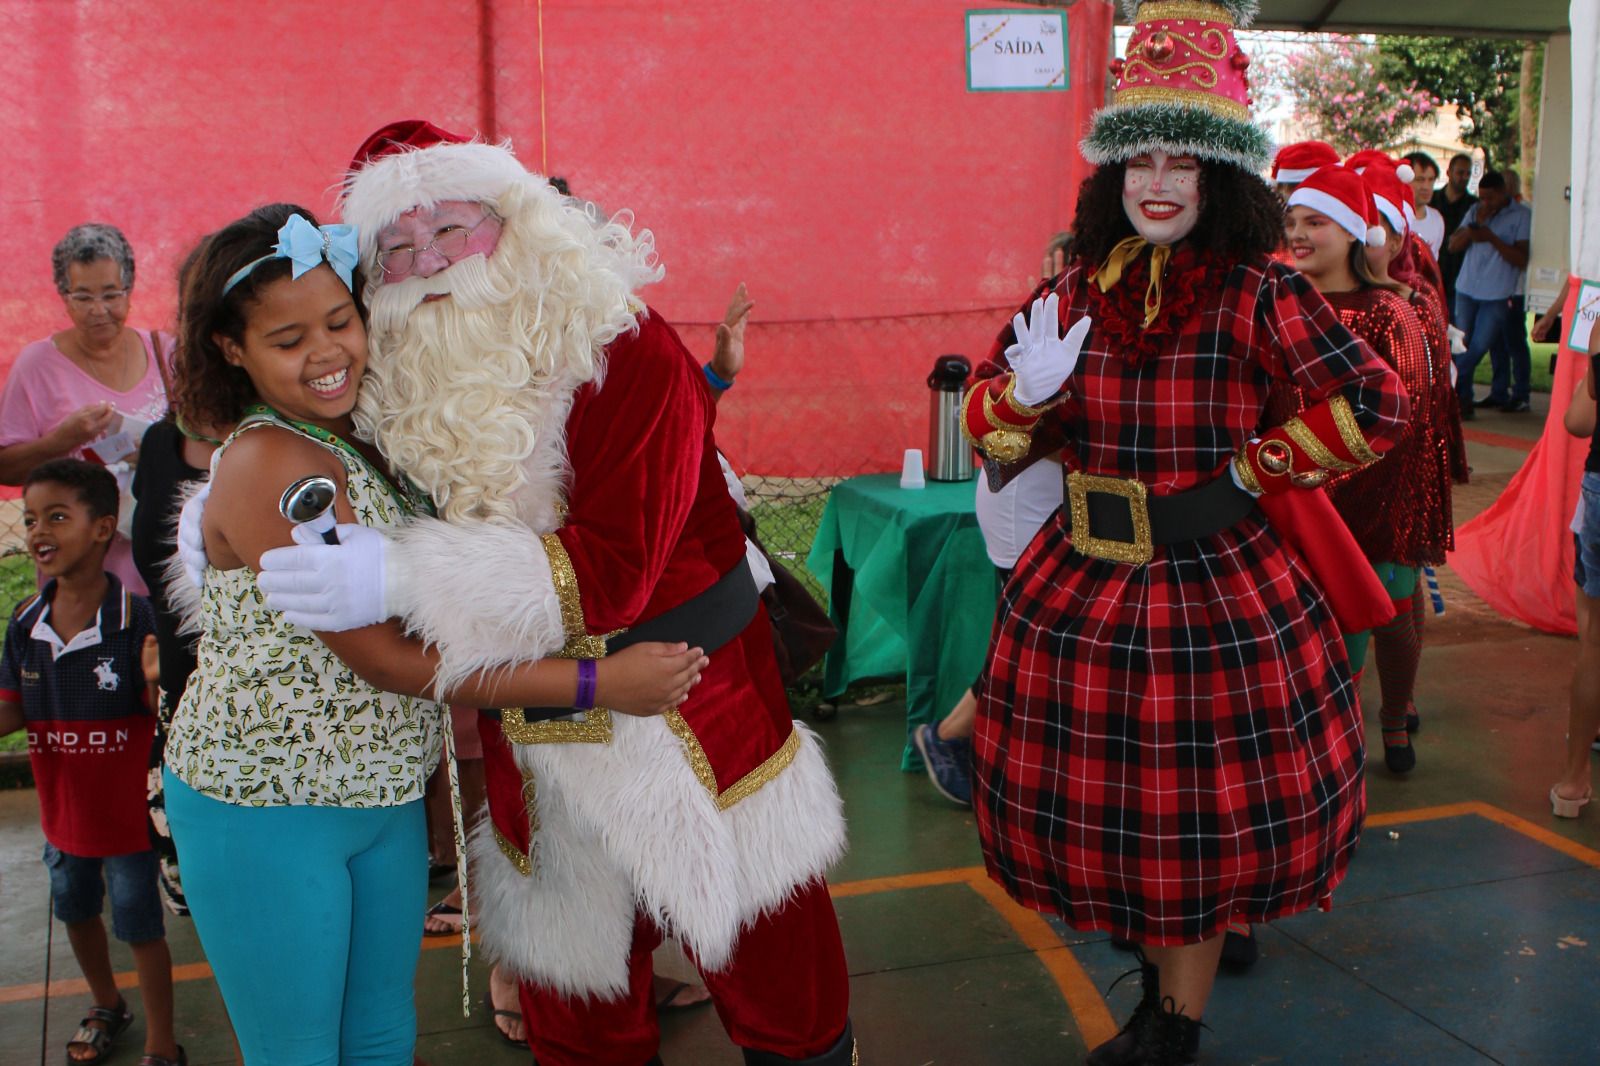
98, 1038
495, 1014
1562, 807
667, 997
161, 1060
443, 912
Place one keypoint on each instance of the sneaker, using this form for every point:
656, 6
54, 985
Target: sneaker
1517, 407
1493, 403
1594, 745
949, 763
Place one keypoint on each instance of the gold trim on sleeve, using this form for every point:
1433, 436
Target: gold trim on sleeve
1005, 445
1247, 474
1009, 398
521, 861
1350, 431
746, 786
1309, 443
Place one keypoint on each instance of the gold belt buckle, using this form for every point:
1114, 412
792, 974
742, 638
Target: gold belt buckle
1140, 549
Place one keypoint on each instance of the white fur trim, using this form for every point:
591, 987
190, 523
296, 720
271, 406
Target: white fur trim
629, 824
481, 593
383, 190
1327, 203
182, 596
1294, 177
1375, 236
1392, 213
1405, 173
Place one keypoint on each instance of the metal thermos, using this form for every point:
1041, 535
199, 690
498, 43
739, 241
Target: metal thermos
949, 454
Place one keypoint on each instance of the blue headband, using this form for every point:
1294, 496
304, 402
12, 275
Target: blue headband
308, 247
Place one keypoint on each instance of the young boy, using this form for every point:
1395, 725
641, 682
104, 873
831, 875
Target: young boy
79, 672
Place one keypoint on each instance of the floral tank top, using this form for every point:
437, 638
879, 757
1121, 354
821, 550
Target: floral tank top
271, 717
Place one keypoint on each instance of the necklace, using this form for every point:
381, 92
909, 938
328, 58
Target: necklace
410, 499
114, 363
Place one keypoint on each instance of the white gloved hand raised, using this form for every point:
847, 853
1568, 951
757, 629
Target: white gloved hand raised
329, 587
1040, 360
191, 540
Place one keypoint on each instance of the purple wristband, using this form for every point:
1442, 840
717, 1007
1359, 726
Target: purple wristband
587, 672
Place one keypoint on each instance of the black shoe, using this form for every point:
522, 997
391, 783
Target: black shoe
1517, 407
1158, 1037
1467, 413
1492, 403
1400, 758
1239, 948
1413, 722
1127, 1048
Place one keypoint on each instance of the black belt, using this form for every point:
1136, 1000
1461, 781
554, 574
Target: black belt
1118, 519
707, 621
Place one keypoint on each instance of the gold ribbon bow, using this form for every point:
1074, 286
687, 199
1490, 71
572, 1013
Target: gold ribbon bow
1116, 263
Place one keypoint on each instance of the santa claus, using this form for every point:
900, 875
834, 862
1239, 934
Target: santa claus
565, 434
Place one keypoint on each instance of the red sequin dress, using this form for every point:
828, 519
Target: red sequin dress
1397, 507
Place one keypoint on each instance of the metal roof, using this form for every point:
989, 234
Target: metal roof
1450, 18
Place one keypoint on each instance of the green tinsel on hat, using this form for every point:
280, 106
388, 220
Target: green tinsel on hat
1243, 11
1123, 131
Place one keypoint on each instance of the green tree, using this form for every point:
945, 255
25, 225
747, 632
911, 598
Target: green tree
1482, 78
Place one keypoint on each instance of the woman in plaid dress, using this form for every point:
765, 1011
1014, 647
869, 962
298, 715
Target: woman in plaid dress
1167, 736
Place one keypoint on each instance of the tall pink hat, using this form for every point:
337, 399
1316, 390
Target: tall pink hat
1183, 87
1338, 192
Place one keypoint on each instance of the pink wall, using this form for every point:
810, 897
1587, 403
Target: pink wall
827, 154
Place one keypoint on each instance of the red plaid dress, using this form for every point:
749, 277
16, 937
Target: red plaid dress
1161, 748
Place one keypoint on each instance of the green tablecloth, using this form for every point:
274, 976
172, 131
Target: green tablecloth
911, 589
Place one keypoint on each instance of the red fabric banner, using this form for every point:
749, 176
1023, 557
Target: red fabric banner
1517, 554
828, 154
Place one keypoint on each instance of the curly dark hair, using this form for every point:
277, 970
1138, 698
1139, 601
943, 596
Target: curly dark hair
1241, 217
95, 485
207, 389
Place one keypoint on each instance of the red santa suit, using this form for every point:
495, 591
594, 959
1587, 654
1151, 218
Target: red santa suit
714, 822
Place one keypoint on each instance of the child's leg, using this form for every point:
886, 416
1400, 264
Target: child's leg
389, 885
269, 890
137, 919
77, 894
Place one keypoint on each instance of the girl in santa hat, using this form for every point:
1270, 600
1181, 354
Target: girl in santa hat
1338, 238
1167, 736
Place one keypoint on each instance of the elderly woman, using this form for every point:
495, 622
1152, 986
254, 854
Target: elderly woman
90, 390
1167, 737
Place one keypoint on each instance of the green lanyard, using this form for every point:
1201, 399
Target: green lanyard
411, 499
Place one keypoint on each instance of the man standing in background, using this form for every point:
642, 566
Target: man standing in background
1453, 202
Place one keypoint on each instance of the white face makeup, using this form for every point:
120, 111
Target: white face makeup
1161, 195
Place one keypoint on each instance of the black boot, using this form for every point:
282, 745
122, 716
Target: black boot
1171, 1039
842, 1053
1125, 1049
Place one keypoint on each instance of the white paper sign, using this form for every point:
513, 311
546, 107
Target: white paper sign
1581, 338
1016, 51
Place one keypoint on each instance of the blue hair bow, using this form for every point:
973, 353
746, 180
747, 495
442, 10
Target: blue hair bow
308, 247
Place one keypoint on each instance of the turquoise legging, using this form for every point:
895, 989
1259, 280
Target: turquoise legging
1400, 582
311, 918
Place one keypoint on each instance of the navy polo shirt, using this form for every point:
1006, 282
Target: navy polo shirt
88, 721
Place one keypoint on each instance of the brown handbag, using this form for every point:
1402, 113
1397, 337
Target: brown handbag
802, 632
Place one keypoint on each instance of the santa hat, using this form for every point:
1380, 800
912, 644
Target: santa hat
415, 163
1183, 88
1372, 157
1339, 193
1392, 196
1295, 163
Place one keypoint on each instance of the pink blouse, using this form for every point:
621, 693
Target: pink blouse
44, 387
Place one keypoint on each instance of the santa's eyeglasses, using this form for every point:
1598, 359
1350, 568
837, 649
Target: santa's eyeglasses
448, 242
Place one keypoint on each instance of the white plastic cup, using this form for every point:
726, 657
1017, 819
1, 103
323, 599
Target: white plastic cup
911, 470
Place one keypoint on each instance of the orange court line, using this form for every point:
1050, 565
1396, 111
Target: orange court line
1082, 998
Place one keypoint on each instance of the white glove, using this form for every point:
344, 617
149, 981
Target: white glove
328, 587
191, 540
1041, 362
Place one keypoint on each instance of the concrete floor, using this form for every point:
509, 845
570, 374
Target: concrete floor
1467, 932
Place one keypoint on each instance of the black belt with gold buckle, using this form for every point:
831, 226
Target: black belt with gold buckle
1118, 518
